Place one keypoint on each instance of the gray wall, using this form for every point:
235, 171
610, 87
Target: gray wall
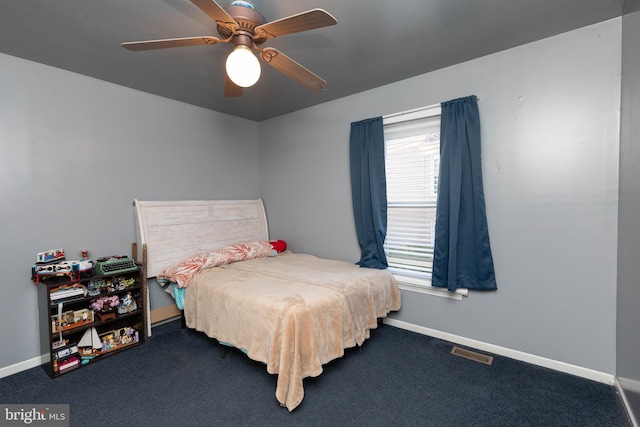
75, 152
628, 313
550, 129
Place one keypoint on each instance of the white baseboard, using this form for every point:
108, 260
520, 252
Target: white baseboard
502, 351
23, 366
629, 384
623, 395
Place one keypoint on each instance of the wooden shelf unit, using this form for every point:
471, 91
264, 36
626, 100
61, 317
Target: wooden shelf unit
60, 335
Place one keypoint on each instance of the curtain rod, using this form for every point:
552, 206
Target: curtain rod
415, 110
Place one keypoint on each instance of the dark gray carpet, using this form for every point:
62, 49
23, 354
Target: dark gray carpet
398, 378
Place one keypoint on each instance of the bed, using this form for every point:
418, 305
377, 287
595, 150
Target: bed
293, 312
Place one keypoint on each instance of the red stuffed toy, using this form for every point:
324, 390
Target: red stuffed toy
279, 245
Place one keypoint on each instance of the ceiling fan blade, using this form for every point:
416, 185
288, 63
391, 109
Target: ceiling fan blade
167, 43
309, 20
291, 68
217, 13
231, 90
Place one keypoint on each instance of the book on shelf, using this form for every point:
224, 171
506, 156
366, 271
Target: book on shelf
69, 363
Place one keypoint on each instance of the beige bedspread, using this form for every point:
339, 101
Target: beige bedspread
293, 312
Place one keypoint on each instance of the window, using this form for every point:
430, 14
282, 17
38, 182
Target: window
412, 156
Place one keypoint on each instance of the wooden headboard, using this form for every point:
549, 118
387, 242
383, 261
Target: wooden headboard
175, 230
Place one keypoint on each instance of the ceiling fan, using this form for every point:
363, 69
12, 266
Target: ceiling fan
241, 25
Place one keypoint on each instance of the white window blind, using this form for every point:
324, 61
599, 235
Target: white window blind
412, 163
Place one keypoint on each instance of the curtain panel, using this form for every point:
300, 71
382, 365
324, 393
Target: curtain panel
369, 190
462, 254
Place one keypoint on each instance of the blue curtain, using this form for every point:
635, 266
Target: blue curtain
369, 190
462, 254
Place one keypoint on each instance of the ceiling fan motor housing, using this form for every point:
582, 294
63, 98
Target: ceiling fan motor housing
247, 20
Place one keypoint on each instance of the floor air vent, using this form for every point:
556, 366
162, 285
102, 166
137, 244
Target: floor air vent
472, 355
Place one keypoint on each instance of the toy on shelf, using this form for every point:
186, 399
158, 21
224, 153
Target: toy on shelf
118, 338
52, 263
104, 307
89, 346
70, 320
127, 304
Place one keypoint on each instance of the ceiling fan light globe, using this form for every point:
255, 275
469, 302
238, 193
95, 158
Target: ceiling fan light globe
243, 68
242, 3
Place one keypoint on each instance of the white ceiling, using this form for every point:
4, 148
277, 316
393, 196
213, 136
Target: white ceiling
375, 42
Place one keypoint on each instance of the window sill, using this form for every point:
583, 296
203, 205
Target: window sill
423, 286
